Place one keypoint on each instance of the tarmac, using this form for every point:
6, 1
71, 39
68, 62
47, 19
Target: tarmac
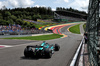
83, 59
61, 58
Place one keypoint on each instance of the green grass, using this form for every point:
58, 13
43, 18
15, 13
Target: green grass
75, 29
84, 26
38, 25
42, 37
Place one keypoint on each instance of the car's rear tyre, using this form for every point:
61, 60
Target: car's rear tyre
57, 47
48, 53
28, 52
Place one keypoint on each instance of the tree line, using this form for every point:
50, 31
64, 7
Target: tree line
16, 15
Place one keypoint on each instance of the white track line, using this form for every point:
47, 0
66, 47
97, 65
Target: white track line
5, 46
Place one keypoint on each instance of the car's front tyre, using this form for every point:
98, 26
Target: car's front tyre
57, 47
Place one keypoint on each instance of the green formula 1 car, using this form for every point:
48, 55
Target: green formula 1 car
42, 50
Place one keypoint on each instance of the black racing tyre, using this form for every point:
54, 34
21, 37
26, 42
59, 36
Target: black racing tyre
38, 54
28, 52
57, 47
48, 53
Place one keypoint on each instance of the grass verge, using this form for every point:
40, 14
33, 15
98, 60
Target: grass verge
84, 26
42, 37
75, 29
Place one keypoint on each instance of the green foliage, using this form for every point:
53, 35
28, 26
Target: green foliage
28, 17
75, 29
11, 21
13, 17
7, 13
42, 37
3, 22
1, 17
16, 16
19, 21
35, 17
28, 24
38, 25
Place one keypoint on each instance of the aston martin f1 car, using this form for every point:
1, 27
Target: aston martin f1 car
42, 50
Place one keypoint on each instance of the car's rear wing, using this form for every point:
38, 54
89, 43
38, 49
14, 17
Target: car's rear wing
34, 46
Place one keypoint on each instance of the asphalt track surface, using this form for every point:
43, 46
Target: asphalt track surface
13, 56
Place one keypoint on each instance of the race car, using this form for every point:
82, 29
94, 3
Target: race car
42, 50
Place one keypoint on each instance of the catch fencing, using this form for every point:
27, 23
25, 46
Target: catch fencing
93, 30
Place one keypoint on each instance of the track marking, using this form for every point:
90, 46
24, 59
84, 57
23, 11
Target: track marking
4, 46
1, 46
68, 28
56, 29
64, 36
